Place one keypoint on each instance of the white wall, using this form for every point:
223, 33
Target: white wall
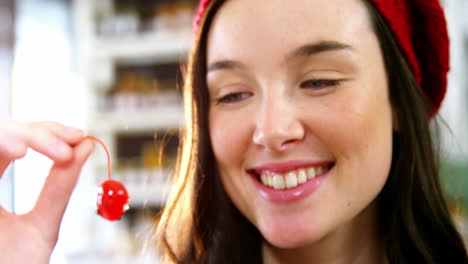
6, 20
454, 109
46, 86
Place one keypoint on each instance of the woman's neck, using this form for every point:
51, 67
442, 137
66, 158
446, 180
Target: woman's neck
357, 242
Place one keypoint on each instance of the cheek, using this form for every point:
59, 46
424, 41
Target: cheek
369, 141
229, 137
362, 122
358, 131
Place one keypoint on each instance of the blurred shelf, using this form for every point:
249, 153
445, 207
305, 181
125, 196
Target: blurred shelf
138, 120
145, 187
150, 194
144, 48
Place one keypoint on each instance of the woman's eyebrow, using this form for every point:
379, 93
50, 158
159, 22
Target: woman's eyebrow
302, 51
318, 47
225, 65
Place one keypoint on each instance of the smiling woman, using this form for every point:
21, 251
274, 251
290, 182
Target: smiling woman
289, 123
307, 140
307, 137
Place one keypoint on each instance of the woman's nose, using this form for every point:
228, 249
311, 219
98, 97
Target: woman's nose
278, 127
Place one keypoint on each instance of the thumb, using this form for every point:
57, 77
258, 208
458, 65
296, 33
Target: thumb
58, 187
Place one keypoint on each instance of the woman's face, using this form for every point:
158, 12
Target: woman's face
299, 100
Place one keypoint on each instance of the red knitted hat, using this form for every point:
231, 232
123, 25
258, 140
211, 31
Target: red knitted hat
420, 29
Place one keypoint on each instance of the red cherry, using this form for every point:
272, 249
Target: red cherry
112, 200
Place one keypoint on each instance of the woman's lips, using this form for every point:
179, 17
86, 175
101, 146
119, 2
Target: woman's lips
290, 181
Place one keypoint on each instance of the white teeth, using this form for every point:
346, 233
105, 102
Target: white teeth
319, 171
264, 179
270, 180
291, 180
278, 182
302, 176
311, 173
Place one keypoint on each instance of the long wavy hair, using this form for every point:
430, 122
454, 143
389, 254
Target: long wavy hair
200, 224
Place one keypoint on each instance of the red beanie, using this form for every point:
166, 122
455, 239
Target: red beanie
420, 29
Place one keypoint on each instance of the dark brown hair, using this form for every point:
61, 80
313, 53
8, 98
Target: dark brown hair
201, 225
413, 214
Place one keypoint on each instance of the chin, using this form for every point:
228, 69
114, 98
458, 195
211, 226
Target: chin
291, 240
291, 235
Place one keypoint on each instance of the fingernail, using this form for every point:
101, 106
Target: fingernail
73, 131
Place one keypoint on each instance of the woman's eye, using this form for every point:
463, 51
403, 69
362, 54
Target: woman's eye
319, 84
232, 98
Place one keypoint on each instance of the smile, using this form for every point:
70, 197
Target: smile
289, 181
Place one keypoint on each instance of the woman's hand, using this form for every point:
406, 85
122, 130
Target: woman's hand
31, 238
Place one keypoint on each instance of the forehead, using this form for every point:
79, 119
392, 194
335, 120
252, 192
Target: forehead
243, 28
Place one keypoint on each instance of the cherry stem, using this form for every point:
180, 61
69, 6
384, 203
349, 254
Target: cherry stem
109, 161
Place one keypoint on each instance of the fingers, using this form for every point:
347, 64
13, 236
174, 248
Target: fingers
10, 149
52, 139
48, 138
11, 145
59, 185
3, 211
68, 134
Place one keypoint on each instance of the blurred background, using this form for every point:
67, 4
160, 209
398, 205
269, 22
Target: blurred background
112, 67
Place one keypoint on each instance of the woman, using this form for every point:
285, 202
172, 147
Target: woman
307, 136
307, 141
